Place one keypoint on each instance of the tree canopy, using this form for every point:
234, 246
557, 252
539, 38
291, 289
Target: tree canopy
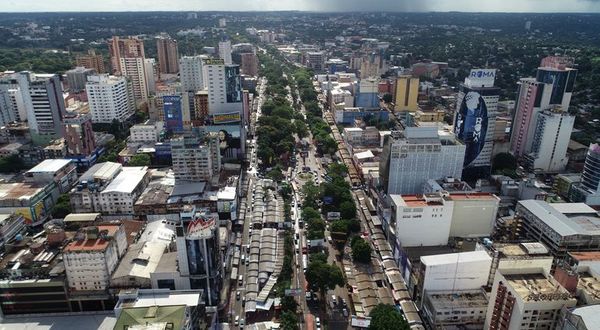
361, 250
140, 160
387, 317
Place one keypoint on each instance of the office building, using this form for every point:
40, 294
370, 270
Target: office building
43, 99
224, 89
12, 106
585, 187
418, 154
34, 201
225, 52
168, 54
541, 121
455, 309
406, 94
173, 109
147, 132
475, 119
581, 318
474, 214
79, 135
201, 111
91, 61
109, 188
92, 257
526, 299
562, 227
367, 95
151, 73
77, 78
119, 48
194, 158
192, 73
199, 254
249, 64
315, 60
110, 97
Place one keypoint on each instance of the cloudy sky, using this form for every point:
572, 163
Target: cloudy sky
311, 5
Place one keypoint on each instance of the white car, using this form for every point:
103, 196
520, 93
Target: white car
318, 322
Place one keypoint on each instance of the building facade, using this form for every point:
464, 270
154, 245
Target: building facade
168, 54
91, 61
192, 73
109, 98
406, 94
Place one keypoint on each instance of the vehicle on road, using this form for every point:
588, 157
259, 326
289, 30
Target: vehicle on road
238, 295
240, 280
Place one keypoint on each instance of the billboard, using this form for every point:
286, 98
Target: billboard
333, 216
223, 118
471, 125
172, 109
201, 227
481, 77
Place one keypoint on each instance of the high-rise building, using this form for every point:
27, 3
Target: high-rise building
151, 73
224, 87
249, 64
168, 54
191, 73
316, 60
91, 61
418, 154
200, 114
134, 68
590, 177
225, 51
475, 119
109, 97
541, 116
12, 107
367, 95
194, 159
79, 135
43, 98
77, 78
406, 94
118, 48
173, 111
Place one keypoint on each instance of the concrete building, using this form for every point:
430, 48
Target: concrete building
475, 119
192, 73
91, 61
412, 213
224, 87
62, 172
411, 158
201, 111
34, 201
151, 73
109, 188
562, 227
473, 214
149, 131
367, 95
588, 189
581, 318
135, 68
526, 299
542, 126
316, 60
43, 99
168, 54
195, 159
77, 78
12, 106
225, 52
109, 98
406, 94
249, 64
455, 309
79, 136
11, 225
129, 47
92, 257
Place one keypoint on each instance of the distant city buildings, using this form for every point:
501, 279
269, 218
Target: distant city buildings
77, 78
91, 61
249, 64
225, 52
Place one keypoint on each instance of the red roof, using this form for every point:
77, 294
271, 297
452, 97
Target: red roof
98, 244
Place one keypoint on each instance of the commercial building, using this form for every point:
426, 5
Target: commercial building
195, 158
118, 48
77, 78
526, 299
109, 98
91, 258
406, 94
581, 318
173, 109
12, 106
315, 60
347, 115
62, 172
588, 189
201, 112
473, 214
79, 136
44, 103
109, 188
34, 201
542, 125
91, 61
455, 309
224, 87
168, 54
151, 74
191, 73
225, 52
412, 157
475, 119
562, 227
249, 64
367, 95
10, 226
150, 131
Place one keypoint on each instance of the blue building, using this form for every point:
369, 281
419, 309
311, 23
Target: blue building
173, 111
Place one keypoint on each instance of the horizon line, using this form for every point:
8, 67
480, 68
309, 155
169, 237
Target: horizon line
299, 11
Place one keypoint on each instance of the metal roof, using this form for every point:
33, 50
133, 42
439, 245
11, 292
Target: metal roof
80, 217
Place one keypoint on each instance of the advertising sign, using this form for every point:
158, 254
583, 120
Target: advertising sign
481, 77
333, 216
293, 292
173, 112
233, 84
231, 117
471, 125
200, 227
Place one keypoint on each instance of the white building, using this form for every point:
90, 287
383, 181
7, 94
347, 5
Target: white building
151, 74
474, 214
135, 69
12, 107
192, 73
526, 299
411, 214
63, 172
225, 51
316, 60
109, 98
422, 153
146, 132
194, 160
224, 87
92, 257
550, 141
353, 135
109, 188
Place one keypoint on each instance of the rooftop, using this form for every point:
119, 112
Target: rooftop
81, 217
561, 223
536, 287
457, 299
520, 249
19, 190
127, 180
472, 196
95, 321
454, 258
93, 244
50, 165
152, 318
418, 200
590, 315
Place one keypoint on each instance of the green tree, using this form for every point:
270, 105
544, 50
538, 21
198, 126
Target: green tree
11, 164
387, 98
309, 213
323, 276
386, 317
62, 207
347, 210
289, 304
139, 160
289, 321
504, 161
361, 250
275, 174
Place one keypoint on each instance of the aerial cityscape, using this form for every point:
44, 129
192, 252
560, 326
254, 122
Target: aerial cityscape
300, 165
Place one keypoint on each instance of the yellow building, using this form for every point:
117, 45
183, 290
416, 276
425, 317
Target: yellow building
406, 95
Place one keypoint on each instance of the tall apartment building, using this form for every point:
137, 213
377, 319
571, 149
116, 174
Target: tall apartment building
475, 119
43, 99
200, 108
118, 48
367, 95
168, 54
12, 106
316, 60
134, 68
541, 121
110, 97
225, 52
526, 299
191, 73
151, 74
406, 94
91, 61
194, 158
249, 64
224, 87
92, 257
77, 78
418, 154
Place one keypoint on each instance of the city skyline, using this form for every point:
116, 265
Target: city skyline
307, 5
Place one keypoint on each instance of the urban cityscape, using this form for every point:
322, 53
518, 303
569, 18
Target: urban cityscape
300, 166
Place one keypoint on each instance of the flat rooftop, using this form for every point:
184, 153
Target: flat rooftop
458, 299
97, 321
97, 244
564, 225
521, 249
127, 180
453, 258
417, 201
19, 190
536, 287
50, 165
472, 196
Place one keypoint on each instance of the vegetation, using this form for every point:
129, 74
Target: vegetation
35, 60
387, 317
289, 321
62, 207
505, 163
323, 276
112, 151
361, 250
11, 164
140, 160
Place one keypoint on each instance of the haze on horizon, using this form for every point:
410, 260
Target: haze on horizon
303, 5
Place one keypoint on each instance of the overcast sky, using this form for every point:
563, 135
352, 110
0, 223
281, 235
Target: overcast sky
311, 5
